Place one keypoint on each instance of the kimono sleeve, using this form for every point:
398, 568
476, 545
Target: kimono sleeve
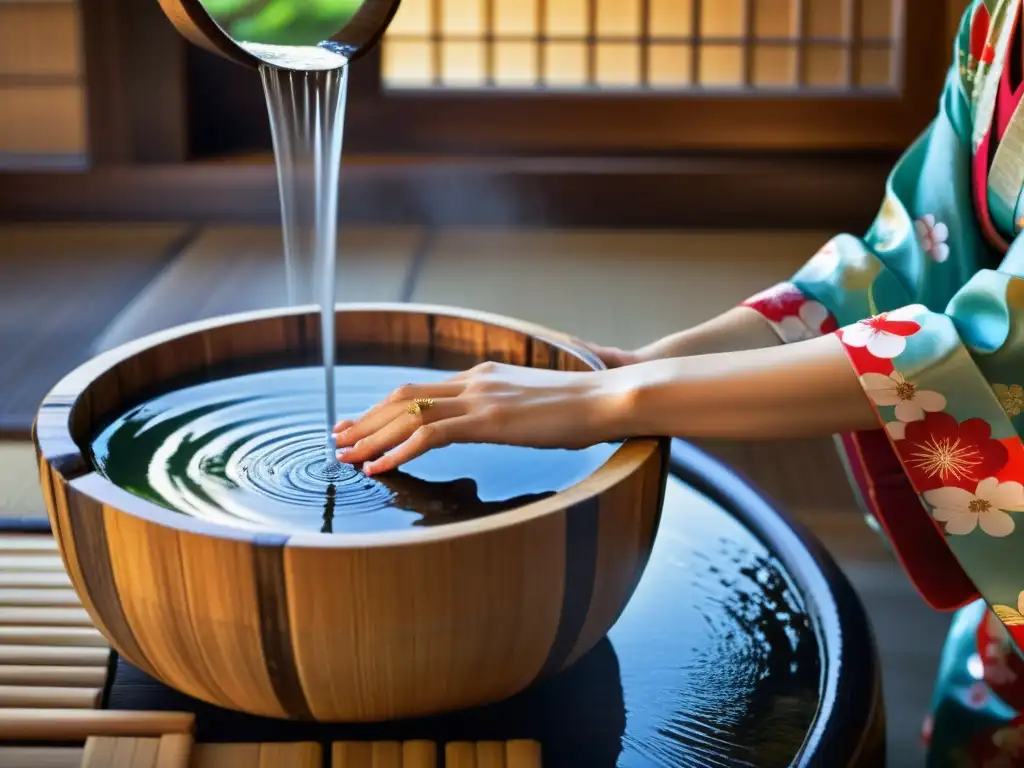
948, 389
922, 248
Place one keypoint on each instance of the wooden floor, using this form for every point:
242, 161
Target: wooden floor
117, 283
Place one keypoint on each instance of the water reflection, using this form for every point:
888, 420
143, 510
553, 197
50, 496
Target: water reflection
713, 664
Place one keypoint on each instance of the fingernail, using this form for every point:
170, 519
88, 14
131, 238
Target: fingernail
343, 456
367, 468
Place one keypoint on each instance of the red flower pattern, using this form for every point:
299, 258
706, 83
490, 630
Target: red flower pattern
940, 452
778, 302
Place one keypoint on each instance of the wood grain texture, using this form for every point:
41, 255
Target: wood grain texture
175, 751
40, 40
419, 754
120, 752
416, 621
42, 119
523, 753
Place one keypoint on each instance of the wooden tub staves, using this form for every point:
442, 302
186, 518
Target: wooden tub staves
354, 627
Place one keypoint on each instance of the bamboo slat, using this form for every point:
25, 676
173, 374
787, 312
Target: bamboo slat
175, 751
226, 756
419, 754
38, 598
41, 676
25, 542
47, 697
77, 637
522, 753
53, 656
44, 617
490, 754
34, 580
460, 754
298, 755
69, 725
386, 754
120, 752
23, 562
41, 757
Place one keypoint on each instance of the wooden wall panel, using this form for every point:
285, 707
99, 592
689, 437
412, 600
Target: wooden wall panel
42, 119
40, 39
41, 89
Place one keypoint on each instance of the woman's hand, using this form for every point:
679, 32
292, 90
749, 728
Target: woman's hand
612, 357
491, 403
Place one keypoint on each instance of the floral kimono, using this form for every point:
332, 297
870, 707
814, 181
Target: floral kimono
929, 306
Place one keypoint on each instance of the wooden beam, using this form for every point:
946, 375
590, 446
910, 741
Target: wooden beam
839, 192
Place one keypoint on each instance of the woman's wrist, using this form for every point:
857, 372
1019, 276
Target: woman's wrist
737, 330
802, 389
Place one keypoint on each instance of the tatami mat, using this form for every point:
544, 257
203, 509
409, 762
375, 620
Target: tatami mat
60, 286
19, 481
235, 269
622, 288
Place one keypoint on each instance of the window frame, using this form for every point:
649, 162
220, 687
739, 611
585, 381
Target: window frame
515, 123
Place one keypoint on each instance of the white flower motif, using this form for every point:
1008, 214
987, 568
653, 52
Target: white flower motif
806, 325
884, 335
822, 265
897, 429
932, 235
963, 511
911, 403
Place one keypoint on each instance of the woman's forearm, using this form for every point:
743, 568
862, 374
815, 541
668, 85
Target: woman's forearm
736, 330
795, 390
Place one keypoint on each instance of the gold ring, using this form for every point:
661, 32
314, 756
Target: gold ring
419, 405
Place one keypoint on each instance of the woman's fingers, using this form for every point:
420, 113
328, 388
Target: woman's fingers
425, 438
387, 410
399, 428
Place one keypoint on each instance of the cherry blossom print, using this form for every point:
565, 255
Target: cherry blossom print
932, 235
793, 315
940, 452
911, 403
987, 508
812, 320
1011, 398
778, 302
884, 335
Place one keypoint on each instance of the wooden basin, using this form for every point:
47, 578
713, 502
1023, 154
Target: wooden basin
342, 627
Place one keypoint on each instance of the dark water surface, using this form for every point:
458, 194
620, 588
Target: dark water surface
714, 664
249, 451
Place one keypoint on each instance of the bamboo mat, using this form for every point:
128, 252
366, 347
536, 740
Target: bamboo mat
55, 674
60, 287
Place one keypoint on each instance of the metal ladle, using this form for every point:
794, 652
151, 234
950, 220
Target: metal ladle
288, 34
